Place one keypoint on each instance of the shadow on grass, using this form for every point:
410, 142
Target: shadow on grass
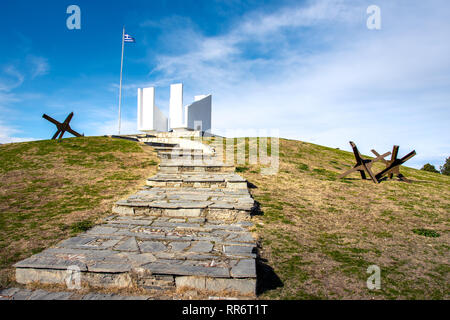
256, 211
251, 185
267, 279
402, 179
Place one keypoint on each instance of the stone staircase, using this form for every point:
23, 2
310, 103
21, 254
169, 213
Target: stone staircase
187, 229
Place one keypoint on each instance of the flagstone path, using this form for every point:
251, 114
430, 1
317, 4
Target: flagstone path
39, 294
187, 229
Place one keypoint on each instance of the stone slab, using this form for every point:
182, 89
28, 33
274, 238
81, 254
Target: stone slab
152, 246
183, 226
241, 286
129, 244
110, 267
245, 268
187, 269
201, 246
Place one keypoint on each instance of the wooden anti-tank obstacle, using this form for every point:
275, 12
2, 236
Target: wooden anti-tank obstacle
392, 166
363, 165
62, 127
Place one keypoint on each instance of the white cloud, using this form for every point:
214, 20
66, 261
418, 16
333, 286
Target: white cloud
14, 74
104, 121
10, 78
6, 98
39, 66
8, 135
318, 74
109, 127
314, 13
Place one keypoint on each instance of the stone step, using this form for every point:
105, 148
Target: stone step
131, 138
199, 166
211, 180
151, 253
212, 204
189, 228
179, 150
39, 294
162, 144
185, 156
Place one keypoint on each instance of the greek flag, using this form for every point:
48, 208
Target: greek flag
128, 38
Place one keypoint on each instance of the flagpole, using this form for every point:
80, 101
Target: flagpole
121, 68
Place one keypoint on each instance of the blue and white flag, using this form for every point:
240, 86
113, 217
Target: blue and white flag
128, 38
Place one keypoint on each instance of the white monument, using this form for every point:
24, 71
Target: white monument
195, 116
150, 118
176, 114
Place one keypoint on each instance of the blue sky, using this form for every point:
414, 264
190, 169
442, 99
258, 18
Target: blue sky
310, 69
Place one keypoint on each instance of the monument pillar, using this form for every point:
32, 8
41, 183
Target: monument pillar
176, 114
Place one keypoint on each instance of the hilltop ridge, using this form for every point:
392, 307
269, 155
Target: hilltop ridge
317, 233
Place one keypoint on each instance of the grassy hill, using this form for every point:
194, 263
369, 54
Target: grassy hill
318, 233
51, 190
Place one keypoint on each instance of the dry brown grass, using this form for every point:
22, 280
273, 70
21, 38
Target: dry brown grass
320, 233
86, 289
159, 294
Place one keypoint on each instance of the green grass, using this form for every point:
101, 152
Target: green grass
51, 190
426, 233
320, 233
303, 167
81, 226
241, 169
325, 174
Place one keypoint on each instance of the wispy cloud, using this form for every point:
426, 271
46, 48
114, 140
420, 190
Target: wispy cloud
39, 66
110, 126
225, 57
317, 73
8, 134
14, 74
10, 78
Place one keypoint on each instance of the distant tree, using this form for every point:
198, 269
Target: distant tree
445, 169
429, 167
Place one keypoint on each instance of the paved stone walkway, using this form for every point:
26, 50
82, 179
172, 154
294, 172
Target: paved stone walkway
26, 294
188, 228
204, 180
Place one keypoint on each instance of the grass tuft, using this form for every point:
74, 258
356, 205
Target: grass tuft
426, 233
81, 226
